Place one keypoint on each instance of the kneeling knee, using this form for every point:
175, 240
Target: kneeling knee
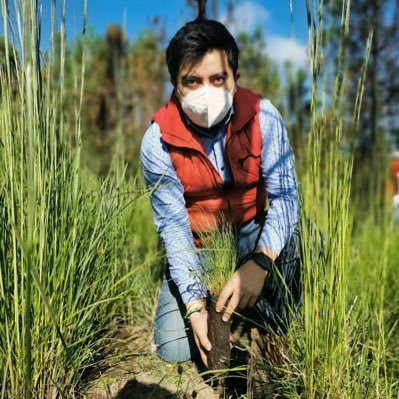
174, 352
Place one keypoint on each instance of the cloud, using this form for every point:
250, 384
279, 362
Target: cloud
246, 17
249, 15
282, 49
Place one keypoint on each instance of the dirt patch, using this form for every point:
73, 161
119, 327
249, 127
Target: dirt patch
132, 370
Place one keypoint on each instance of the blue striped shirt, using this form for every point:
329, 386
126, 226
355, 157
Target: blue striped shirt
168, 204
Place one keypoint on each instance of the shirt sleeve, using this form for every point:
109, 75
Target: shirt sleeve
170, 215
277, 164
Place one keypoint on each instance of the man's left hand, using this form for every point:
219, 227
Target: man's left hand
242, 290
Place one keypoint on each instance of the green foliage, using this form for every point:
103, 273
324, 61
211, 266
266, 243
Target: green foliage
258, 72
11, 53
124, 85
64, 271
297, 111
339, 348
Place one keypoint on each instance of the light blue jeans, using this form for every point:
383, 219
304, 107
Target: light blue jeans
277, 305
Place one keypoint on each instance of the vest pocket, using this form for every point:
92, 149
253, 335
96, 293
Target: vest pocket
250, 165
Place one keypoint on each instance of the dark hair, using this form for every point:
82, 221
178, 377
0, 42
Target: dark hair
194, 40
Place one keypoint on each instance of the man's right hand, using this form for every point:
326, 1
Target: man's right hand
199, 325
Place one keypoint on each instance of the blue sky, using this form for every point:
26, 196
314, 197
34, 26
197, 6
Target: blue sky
285, 40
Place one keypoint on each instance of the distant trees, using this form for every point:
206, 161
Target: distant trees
258, 71
379, 120
148, 77
13, 61
3, 53
297, 108
126, 82
124, 85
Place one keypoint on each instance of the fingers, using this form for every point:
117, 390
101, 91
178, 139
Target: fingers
241, 291
231, 307
223, 297
244, 301
199, 325
204, 357
203, 339
252, 302
201, 350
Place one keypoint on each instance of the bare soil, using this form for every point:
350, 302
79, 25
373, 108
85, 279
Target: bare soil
132, 370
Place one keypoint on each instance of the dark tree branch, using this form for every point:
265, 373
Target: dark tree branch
201, 7
201, 10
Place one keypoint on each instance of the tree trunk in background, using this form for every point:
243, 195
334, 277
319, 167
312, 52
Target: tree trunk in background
376, 148
215, 6
376, 127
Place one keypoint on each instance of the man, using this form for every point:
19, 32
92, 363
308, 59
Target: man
219, 151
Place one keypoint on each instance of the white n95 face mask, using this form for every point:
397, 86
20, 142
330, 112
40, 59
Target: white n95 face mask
207, 105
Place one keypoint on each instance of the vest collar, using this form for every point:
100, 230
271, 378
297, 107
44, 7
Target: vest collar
246, 105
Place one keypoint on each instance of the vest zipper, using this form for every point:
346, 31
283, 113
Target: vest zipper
214, 171
217, 185
227, 158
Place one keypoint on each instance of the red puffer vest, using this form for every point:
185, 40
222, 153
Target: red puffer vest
208, 199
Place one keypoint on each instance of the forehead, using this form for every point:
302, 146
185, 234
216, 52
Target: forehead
214, 61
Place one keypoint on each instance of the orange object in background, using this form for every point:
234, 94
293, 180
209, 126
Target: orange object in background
391, 182
394, 175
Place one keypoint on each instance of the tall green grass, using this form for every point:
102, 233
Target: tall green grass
339, 348
62, 279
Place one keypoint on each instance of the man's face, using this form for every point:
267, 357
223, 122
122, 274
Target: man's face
213, 70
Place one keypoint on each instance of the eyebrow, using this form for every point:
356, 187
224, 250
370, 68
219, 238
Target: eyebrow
188, 77
223, 73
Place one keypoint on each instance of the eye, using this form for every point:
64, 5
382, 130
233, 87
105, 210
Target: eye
191, 83
219, 80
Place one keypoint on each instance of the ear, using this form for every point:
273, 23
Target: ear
238, 74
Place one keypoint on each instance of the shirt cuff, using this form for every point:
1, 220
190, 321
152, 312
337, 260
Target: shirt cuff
191, 291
